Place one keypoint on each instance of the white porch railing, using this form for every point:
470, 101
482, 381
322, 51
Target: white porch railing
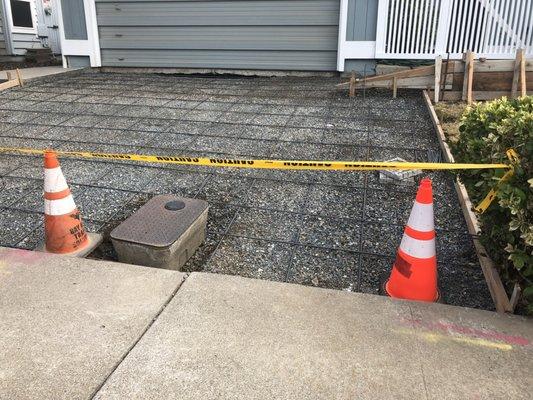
424, 29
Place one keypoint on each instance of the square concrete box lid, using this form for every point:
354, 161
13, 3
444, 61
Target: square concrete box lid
161, 221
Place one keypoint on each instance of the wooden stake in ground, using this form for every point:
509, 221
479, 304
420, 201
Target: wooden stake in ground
523, 89
352, 84
394, 87
19, 76
519, 74
438, 67
11, 82
468, 77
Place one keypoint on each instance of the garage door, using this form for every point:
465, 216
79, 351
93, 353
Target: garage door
245, 34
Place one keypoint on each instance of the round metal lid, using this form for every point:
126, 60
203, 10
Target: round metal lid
175, 205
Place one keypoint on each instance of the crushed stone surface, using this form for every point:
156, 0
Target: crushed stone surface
335, 230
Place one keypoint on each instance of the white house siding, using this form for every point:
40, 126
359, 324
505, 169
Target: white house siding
24, 41
21, 41
3, 50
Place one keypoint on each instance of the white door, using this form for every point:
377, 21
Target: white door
48, 23
78, 30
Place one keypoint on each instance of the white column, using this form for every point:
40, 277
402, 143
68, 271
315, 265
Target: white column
343, 22
381, 27
443, 26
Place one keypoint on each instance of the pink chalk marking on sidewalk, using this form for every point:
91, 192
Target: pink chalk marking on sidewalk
450, 327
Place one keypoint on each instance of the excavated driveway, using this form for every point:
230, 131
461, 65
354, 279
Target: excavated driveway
329, 229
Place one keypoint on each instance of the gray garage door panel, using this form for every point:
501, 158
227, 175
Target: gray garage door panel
323, 38
274, 60
251, 12
236, 34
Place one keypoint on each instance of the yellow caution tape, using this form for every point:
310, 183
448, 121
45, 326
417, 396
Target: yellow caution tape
486, 202
265, 164
290, 164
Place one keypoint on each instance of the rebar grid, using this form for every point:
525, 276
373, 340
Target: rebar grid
114, 97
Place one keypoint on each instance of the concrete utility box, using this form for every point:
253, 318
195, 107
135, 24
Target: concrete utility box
164, 233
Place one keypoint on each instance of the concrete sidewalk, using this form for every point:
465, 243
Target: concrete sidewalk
224, 337
37, 72
66, 322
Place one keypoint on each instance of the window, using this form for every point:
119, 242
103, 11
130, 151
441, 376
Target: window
21, 13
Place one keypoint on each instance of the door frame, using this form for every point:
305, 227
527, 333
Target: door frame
89, 47
351, 49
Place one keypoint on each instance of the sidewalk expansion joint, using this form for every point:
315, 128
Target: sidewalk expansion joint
127, 352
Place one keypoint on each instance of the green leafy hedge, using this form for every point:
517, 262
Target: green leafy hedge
487, 130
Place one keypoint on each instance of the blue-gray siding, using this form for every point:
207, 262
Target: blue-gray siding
362, 20
243, 34
3, 50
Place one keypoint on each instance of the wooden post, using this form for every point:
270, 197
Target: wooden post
394, 87
19, 76
516, 72
469, 97
468, 77
515, 296
438, 67
465, 76
519, 74
352, 84
9, 76
523, 89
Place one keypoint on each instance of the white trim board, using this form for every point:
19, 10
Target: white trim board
20, 29
89, 47
349, 49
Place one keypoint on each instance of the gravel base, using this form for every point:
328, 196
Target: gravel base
328, 229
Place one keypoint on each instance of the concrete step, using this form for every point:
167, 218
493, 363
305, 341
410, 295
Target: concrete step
67, 323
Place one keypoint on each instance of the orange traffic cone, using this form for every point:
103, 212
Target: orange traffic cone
414, 273
63, 227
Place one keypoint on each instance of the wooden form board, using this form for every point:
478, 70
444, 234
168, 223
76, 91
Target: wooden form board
455, 95
9, 84
491, 81
422, 82
410, 73
492, 277
491, 66
18, 81
492, 76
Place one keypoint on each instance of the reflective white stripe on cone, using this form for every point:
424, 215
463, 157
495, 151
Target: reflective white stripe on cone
54, 180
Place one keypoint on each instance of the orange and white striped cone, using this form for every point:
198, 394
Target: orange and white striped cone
414, 273
63, 227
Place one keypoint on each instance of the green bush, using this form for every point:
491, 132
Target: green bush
487, 130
